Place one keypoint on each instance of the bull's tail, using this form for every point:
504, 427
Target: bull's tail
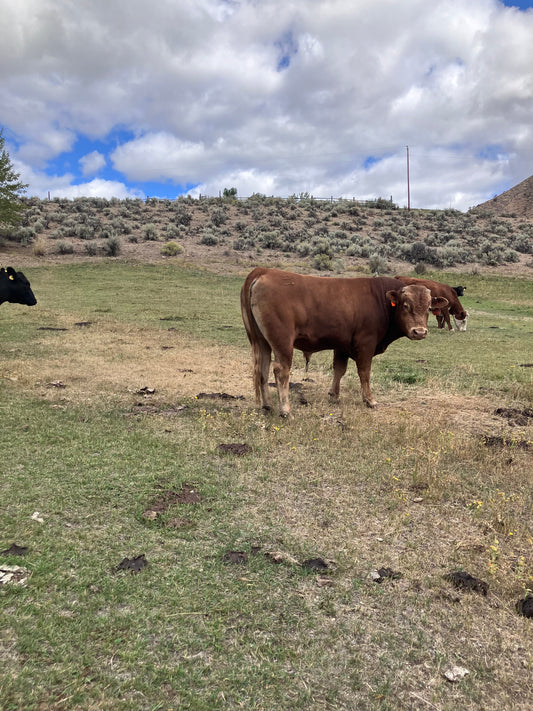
252, 329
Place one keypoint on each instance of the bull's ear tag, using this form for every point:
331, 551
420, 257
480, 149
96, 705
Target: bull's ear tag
11, 277
393, 303
436, 312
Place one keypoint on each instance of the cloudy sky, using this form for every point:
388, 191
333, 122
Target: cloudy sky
130, 98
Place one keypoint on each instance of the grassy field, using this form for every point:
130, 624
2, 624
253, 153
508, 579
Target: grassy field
261, 536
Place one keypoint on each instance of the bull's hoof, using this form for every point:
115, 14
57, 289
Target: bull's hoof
267, 408
371, 403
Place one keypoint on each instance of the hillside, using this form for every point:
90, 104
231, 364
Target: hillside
515, 202
228, 234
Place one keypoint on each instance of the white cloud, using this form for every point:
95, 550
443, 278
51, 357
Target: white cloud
43, 185
98, 188
92, 163
279, 96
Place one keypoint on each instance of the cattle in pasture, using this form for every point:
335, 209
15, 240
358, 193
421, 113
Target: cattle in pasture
15, 288
357, 318
454, 307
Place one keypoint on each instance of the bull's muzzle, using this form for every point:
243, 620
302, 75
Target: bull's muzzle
418, 333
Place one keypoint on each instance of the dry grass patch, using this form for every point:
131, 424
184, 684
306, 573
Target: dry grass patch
112, 361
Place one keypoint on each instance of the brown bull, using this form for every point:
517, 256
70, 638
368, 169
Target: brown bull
356, 318
454, 307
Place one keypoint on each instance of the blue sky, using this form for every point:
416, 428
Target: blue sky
521, 5
135, 98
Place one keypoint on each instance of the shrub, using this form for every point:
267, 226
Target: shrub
91, 248
39, 247
112, 246
85, 232
64, 247
22, 235
150, 233
523, 243
271, 240
322, 262
218, 217
241, 243
417, 252
511, 256
322, 246
209, 239
183, 218
171, 249
172, 232
420, 268
339, 265
377, 264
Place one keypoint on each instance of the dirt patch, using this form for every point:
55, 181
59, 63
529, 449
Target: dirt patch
315, 564
219, 396
134, 565
234, 448
235, 557
503, 441
465, 581
15, 550
188, 494
515, 417
378, 576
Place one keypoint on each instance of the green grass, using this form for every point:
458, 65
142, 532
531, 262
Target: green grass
404, 487
159, 297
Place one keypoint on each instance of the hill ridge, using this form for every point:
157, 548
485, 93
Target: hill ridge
517, 201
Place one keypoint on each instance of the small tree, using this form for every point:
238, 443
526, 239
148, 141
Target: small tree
10, 189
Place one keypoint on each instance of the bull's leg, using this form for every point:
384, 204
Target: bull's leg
340, 363
364, 364
282, 369
446, 317
265, 353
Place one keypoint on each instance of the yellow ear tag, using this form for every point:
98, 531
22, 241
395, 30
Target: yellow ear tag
12, 277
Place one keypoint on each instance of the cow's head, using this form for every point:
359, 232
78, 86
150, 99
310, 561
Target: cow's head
411, 306
15, 288
460, 320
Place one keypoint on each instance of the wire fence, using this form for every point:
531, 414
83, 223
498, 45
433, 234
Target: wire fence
301, 198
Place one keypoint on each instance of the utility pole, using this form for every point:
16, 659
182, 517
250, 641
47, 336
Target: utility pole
408, 184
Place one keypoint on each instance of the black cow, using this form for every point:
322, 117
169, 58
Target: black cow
15, 288
459, 290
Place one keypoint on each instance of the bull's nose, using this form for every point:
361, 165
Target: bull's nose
418, 334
